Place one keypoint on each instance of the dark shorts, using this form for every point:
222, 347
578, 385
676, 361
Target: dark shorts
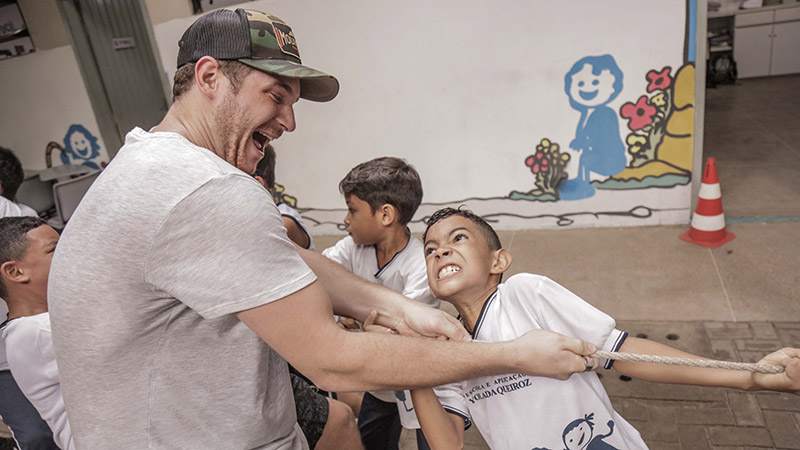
311, 407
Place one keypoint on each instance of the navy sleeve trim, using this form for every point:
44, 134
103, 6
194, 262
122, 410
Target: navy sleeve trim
299, 225
462, 414
620, 340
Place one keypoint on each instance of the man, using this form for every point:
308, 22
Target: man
29, 430
168, 333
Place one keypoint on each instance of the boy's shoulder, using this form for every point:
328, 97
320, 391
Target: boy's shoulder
524, 280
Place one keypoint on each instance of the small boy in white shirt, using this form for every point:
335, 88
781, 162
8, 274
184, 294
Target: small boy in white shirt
26, 250
465, 264
382, 196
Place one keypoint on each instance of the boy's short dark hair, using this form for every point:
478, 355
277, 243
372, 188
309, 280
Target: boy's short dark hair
266, 167
385, 180
11, 173
14, 240
489, 235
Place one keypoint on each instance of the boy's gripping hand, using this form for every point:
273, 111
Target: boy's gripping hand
789, 379
549, 354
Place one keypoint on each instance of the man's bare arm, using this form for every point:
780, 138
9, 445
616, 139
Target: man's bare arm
300, 327
353, 297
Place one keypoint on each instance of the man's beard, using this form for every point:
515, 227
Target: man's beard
229, 118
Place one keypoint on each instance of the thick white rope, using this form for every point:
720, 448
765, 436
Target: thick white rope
714, 364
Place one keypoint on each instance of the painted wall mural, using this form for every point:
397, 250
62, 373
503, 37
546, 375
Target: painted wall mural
562, 119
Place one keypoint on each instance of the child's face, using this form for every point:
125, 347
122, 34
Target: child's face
362, 224
458, 258
36, 262
578, 437
592, 90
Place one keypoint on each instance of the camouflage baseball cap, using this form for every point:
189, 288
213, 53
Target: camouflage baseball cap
259, 40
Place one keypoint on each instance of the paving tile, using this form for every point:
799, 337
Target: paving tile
778, 401
691, 414
728, 330
790, 337
767, 346
733, 436
724, 349
693, 437
763, 330
664, 445
663, 425
630, 409
745, 409
748, 356
783, 429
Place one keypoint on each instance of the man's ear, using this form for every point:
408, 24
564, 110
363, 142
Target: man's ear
501, 261
208, 76
388, 214
11, 273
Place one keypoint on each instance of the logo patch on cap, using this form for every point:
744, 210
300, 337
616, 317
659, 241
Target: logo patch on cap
286, 40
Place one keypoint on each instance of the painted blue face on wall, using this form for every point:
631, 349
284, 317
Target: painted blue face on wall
593, 81
80, 147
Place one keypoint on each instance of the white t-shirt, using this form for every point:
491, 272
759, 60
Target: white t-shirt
168, 244
33, 365
405, 273
516, 411
10, 209
288, 211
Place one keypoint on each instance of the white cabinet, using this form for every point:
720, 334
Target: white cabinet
767, 42
786, 48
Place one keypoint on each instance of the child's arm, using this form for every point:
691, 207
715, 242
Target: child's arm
788, 381
442, 430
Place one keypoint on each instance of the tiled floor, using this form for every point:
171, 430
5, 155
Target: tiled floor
736, 302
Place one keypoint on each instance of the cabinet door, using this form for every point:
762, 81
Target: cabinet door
786, 48
751, 50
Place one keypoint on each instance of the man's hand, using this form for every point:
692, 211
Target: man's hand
348, 323
371, 327
422, 320
549, 354
789, 379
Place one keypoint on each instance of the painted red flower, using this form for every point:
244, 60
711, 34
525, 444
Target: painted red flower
659, 80
639, 115
536, 162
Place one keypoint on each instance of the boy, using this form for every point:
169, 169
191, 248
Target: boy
26, 250
382, 196
295, 228
327, 423
465, 263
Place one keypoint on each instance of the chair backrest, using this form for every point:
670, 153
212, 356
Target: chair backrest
68, 194
37, 194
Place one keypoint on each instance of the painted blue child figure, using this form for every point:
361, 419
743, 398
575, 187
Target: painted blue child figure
591, 84
465, 263
80, 147
579, 435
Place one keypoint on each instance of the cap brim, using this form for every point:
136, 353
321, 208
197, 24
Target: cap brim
314, 85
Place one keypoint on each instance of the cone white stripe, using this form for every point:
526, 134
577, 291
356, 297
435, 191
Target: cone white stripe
709, 191
708, 223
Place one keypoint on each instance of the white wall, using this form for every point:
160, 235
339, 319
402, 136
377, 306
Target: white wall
42, 95
462, 90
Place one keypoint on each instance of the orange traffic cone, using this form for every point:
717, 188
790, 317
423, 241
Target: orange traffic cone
708, 221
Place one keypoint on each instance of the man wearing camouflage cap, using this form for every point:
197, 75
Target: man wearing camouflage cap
167, 332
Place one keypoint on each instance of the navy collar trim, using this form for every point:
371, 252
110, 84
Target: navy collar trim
482, 315
381, 269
